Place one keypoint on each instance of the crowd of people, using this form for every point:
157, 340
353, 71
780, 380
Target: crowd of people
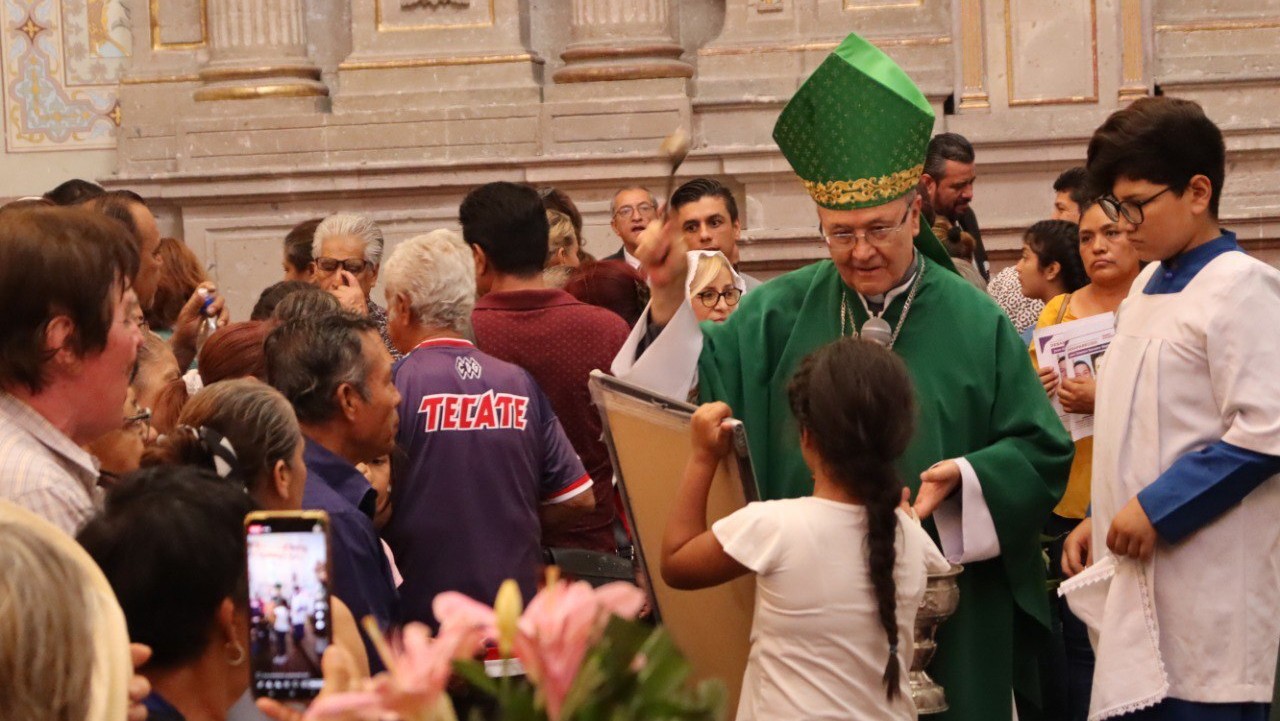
898, 415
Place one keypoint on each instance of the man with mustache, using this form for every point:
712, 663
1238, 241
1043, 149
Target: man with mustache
989, 459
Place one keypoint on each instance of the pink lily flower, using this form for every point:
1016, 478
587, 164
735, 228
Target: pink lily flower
412, 688
562, 622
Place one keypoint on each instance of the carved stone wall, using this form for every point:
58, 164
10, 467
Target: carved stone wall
398, 107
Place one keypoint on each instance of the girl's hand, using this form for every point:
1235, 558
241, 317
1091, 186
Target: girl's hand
711, 437
1049, 379
1077, 394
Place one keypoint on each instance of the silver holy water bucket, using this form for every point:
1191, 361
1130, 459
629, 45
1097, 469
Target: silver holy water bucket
941, 596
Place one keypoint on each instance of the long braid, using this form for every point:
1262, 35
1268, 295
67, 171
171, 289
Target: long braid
882, 531
855, 401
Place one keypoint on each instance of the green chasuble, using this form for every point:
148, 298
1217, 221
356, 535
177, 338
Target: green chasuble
977, 396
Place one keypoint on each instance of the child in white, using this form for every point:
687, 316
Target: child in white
840, 574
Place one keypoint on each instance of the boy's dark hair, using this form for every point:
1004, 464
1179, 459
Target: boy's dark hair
74, 192
276, 292
854, 400
1161, 140
509, 223
307, 360
1075, 183
700, 188
298, 243
57, 261
1058, 241
944, 147
171, 543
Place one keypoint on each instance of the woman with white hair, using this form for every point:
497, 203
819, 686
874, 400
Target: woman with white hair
488, 466
348, 251
64, 646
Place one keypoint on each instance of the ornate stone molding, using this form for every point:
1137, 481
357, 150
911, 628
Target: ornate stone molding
621, 40
258, 48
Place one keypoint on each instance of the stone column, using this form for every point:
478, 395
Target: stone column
621, 40
257, 49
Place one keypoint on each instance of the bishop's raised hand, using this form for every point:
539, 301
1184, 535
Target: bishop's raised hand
661, 250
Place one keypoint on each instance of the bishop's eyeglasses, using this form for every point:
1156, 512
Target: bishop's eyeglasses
878, 236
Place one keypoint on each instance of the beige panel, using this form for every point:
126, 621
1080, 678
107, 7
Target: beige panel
178, 24
1051, 51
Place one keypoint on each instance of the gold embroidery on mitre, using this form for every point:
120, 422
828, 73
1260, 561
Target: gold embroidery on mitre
864, 190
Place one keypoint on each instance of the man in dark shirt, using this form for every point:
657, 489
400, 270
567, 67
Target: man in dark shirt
949, 174
336, 372
558, 339
630, 211
488, 468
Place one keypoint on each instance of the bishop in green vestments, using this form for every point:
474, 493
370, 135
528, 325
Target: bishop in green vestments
990, 458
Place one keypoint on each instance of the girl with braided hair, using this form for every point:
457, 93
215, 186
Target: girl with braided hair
840, 573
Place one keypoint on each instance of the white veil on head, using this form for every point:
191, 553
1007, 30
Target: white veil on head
696, 256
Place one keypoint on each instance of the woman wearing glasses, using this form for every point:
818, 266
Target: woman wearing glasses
714, 286
119, 452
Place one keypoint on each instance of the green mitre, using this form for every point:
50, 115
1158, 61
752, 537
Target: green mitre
856, 133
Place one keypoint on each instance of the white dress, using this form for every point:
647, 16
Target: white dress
818, 650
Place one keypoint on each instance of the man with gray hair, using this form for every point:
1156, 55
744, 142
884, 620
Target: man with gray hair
347, 251
337, 376
488, 466
630, 212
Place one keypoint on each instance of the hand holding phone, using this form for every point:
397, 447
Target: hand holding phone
290, 621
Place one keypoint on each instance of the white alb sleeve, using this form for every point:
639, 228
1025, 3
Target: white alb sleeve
669, 365
965, 526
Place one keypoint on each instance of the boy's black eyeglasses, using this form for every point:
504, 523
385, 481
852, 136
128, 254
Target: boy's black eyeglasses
1130, 209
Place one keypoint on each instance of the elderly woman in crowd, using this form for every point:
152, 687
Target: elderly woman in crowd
347, 252
263, 452
262, 430
714, 286
64, 647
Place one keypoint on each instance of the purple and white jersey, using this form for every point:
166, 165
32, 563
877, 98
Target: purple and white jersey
484, 451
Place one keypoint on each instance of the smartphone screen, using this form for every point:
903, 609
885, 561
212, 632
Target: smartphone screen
289, 619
